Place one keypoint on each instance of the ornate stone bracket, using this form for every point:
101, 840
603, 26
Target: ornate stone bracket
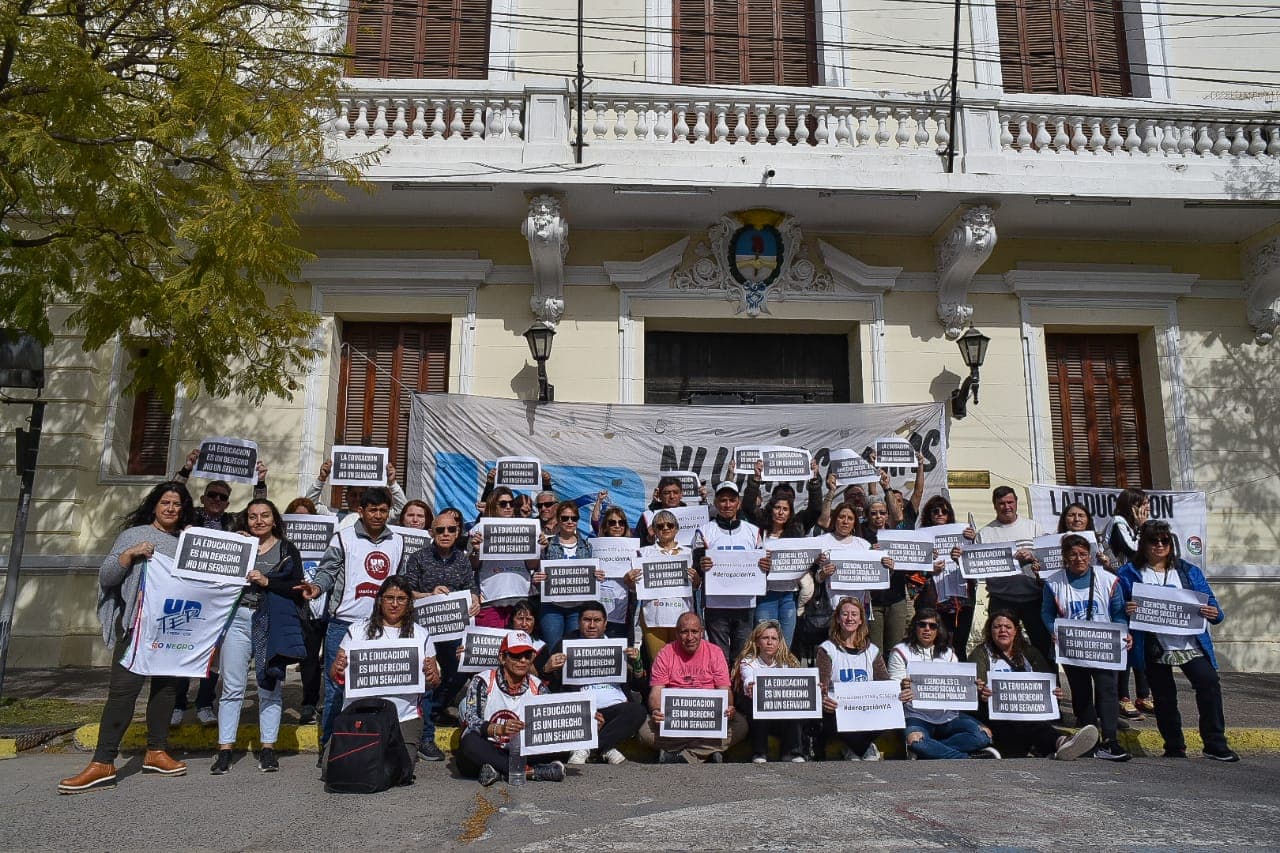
1261, 268
960, 252
548, 234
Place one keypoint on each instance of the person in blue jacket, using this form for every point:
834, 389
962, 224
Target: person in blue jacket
1158, 653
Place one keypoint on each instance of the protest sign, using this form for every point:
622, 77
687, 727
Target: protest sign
414, 539
663, 577
946, 538
892, 452
558, 722
850, 468
790, 559
745, 458
857, 569
911, 550
1166, 610
1096, 645
353, 465
786, 694
1048, 550
689, 518
310, 534
735, 573
480, 648
694, 713
594, 661
215, 556
232, 459
979, 562
785, 463
1022, 696
521, 473
614, 554
868, 706
384, 667
939, 686
509, 538
690, 484
445, 616
569, 581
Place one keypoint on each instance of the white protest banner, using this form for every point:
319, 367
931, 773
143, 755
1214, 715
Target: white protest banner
1095, 645
786, 694
745, 459
521, 473
601, 661
1048, 550
179, 622
790, 559
1022, 696
979, 562
445, 616
735, 573
782, 464
857, 569
215, 556
690, 518
232, 459
1166, 610
569, 581
614, 554
851, 469
415, 539
354, 465
663, 577
893, 452
310, 534
558, 722
911, 550
480, 648
509, 538
1187, 513
868, 706
690, 484
940, 686
694, 713
384, 667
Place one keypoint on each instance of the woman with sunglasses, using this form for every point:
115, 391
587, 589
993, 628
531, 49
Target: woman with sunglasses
439, 569
947, 592
658, 617
567, 543
1158, 654
614, 593
935, 734
779, 601
1120, 541
502, 582
890, 608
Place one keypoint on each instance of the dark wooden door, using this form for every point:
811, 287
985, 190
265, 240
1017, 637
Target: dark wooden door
711, 368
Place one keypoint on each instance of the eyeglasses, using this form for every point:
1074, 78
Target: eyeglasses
928, 626
615, 521
938, 510
545, 504
1163, 541
217, 496
568, 518
395, 599
505, 504
665, 525
452, 528
521, 655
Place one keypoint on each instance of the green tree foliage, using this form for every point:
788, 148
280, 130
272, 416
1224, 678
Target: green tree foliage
153, 155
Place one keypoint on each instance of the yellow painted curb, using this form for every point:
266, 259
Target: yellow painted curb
8, 748
1149, 742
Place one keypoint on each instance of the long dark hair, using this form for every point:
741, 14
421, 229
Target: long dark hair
1127, 505
1018, 651
1062, 516
376, 625
1149, 532
926, 511
791, 529
941, 638
277, 523
145, 512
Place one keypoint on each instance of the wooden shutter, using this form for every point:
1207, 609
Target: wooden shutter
149, 433
1074, 47
1096, 405
760, 42
382, 365
419, 38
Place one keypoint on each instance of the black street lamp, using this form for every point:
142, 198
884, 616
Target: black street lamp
973, 348
539, 336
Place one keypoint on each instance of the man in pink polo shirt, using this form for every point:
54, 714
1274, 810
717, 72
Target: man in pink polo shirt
689, 662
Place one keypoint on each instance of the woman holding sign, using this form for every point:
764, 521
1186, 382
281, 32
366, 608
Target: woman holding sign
658, 617
765, 649
948, 592
890, 608
841, 534
1159, 653
848, 655
1120, 540
566, 543
502, 582
779, 603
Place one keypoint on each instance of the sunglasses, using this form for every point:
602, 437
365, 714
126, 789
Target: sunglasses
452, 528
1160, 540
666, 525
928, 626
568, 518
938, 510
217, 496
505, 504
615, 521
545, 504
521, 655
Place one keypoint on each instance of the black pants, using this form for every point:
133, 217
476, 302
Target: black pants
206, 693
621, 722
1139, 683
476, 750
729, 628
1029, 614
1017, 738
787, 731
310, 668
1204, 680
122, 696
858, 742
1093, 698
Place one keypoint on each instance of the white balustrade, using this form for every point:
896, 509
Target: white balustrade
416, 119
1146, 136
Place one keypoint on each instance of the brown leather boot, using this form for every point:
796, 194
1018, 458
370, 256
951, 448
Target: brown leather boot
159, 761
97, 775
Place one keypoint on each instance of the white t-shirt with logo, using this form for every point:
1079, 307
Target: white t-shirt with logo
368, 564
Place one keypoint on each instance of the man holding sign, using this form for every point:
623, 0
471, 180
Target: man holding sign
729, 617
1021, 592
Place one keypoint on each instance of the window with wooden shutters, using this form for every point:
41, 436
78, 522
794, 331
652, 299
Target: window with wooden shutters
419, 38
1096, 404
382, 365
149, 432
760, 42
1070, 47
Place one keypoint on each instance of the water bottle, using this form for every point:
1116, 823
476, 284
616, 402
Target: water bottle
515, 761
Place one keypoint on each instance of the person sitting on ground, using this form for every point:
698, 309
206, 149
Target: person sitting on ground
693, 663
765, 649
618, 717
848, 655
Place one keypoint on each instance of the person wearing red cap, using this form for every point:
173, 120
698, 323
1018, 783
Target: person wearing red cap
492, 713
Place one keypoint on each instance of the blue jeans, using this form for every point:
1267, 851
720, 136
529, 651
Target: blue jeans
332, 692
555, 622
433, 700
780, 605
954, 739
236, 664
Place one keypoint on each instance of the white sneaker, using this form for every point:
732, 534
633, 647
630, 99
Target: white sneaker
578, 756
797, 759
614, 757
207, 716
849, 754
759, 759
872, 753
175, 719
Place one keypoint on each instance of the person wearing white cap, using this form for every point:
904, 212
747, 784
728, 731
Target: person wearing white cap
729, 618
491, 714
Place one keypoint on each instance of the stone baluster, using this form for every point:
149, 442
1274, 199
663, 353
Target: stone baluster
682, 126
721, 131
1221, 145
1256, 144
1006, 137
1239, 144
882, 126
1168, 138
1273, 143
844, 126
497, 126
644, 124
942, 138
599, 127
1115, 142
380, 124
1150, 144
456, 125
1078, 141
1060, 138
438, 127
418, 130
863, 136
515, 128
362, 120
901, 136
662, 131
1187, 139
761, 133
922, 128
1203, 143
782, 130
741, 130
1132, 142
400, 125
822, 133
1024, 135
341, 122
1043, 139
701, 130
1097, 139
477, 118
620, 120
802, 125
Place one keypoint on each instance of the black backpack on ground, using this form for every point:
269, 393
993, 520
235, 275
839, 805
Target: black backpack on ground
366, 753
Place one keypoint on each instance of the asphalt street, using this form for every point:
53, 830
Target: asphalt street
1027, 804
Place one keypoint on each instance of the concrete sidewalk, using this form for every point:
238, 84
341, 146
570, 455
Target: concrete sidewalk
1251, 701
